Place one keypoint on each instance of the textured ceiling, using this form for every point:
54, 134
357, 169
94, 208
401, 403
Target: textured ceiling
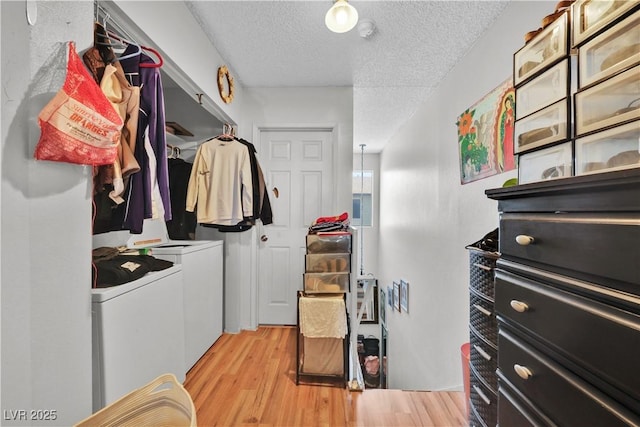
285, 43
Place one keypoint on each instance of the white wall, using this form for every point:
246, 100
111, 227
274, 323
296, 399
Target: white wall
46, 228
190, 56
427, 217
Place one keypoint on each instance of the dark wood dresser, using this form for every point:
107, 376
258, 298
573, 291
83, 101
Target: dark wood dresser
567, 300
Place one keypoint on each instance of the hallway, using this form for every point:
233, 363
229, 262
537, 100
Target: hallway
249, 379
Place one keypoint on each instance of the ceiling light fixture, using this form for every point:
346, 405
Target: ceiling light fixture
342, 17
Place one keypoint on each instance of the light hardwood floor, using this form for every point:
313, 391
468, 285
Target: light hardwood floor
250, 379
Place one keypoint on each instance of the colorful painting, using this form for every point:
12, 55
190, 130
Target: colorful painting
485, 135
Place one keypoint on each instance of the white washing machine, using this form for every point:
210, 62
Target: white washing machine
138, 334
202, 271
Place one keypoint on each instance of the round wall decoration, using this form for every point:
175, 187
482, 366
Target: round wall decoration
223, 74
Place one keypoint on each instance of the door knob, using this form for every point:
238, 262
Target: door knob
264, 238
276, 192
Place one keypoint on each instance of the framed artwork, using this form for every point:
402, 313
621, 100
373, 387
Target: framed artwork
404, 296
390, 296
369, 308
485, 135
383, 307
396, 296
384, 375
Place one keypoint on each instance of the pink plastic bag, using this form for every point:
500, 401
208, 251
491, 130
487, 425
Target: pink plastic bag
79, 125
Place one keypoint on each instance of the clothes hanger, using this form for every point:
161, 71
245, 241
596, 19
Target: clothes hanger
133, 54
125, 42
113, 29
140, 47
173, 152
102, 43
228, 133
111, 37
113, 34
101, 33
150, 64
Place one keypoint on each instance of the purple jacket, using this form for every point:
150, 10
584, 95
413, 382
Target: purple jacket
151, 114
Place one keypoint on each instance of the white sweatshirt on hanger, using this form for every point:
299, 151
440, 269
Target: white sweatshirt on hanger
220, 185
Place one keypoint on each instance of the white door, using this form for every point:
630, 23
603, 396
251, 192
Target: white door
298, 168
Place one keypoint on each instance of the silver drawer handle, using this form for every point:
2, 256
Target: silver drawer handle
482, 352
482, 395
522, 371
482, 310
519, 306
524, 240
483, 267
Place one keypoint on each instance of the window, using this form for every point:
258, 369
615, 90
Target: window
362, 189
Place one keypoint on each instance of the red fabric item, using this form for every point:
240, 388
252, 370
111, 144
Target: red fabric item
372, 365
79, 125
340, 218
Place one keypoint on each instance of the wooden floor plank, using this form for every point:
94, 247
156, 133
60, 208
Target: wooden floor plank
249, 379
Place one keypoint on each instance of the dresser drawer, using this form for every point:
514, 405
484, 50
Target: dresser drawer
546, 164
609, 103
484, 359
544, 90
328, 263
591, 17
564, 397
605, 246
481, 271
600, 339
474, 418
333, 243
544, 127
546, 48
611, 52
326, 282
612, 149
483, 400
482, 318
516, 410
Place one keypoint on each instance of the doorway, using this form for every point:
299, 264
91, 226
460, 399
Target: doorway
299, 172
